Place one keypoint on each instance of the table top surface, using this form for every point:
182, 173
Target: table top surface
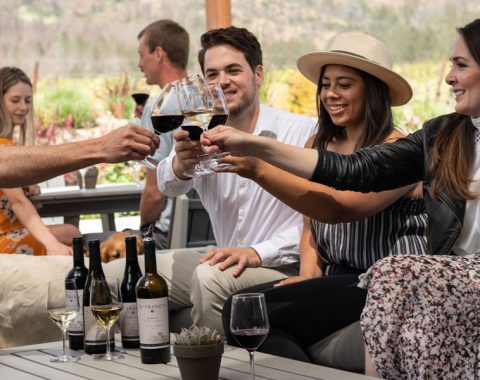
33, 362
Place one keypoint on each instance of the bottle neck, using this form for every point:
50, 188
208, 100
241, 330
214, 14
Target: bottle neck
78, 257
95, 266
150, 262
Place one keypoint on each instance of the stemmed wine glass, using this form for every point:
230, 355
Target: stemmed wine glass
197, 104
220, 117
106, 305
166, 116
63, 307
249, 323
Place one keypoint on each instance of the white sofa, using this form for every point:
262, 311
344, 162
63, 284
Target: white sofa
23, 297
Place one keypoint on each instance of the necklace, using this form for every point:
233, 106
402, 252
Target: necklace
476, 124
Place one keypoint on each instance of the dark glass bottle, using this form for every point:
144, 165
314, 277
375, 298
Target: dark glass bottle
129, 317
95, 337
79, 274
152, 304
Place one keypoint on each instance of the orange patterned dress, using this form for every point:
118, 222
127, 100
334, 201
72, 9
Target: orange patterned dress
14, 237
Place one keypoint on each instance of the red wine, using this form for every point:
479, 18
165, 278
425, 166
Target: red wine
193, 130
217, 120
250, 339
166, 123
129, 318
94, 334
140, 98
79, 274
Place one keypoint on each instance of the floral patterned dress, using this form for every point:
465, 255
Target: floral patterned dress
421, 319
14, 237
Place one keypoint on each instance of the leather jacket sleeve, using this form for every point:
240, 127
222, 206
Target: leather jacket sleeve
377, 168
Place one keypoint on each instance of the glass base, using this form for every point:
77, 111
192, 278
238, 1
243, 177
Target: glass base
106, 357
65, 359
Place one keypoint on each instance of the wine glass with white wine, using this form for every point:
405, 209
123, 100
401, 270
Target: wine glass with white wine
197, 104
62, 308
106, 305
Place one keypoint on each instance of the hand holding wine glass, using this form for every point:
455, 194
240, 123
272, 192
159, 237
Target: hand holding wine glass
63, 307
249, 323
106, 305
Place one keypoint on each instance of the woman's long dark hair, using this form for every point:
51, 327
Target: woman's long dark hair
378, 115
453, 152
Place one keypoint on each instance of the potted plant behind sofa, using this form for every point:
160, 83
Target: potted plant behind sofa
199, 353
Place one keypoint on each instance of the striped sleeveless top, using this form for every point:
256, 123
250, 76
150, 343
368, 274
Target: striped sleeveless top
400, 229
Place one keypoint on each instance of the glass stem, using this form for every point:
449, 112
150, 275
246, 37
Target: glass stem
109, 353
252, 364
64, 334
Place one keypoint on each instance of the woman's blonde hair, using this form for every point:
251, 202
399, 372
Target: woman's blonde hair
10, 76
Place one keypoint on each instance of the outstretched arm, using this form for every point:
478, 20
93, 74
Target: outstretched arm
21, 165
296, 160
312, 199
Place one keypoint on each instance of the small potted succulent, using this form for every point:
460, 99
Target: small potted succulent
198, 352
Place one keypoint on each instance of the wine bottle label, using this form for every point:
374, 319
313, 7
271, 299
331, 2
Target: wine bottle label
153, 322
94, 333
129, 321
76, 326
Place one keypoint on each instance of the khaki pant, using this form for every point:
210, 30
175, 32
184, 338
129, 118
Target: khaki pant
205, 287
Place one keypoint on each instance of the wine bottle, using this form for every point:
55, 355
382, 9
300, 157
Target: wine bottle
79, 274
152, 304
95, 337
129, 317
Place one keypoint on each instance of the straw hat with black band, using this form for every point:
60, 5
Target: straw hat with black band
363, 52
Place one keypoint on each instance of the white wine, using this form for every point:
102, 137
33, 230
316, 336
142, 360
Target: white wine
106, 315
199, 117
152, 303
62, 317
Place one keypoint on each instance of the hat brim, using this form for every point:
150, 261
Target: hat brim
399, 90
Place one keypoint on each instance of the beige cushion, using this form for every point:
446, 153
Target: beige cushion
23, 296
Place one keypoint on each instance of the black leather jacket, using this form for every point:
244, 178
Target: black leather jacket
403, 162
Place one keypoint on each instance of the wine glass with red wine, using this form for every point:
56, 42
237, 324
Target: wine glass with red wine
249, 323
166, 116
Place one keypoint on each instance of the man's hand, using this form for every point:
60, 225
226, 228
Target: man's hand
188, 153
239, 257
128, 143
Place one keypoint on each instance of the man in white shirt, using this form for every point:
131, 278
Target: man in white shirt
163, 48
257, 235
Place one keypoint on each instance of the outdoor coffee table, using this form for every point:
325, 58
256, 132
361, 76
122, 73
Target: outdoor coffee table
33, 362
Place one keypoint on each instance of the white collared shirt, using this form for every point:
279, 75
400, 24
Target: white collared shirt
241, 212
468, 242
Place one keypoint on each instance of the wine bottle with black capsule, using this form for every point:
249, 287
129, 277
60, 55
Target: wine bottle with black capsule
129, 317
79, 274
95, 337
152, 306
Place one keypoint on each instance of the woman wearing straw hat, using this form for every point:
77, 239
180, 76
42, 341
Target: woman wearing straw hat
421, 316
349, 231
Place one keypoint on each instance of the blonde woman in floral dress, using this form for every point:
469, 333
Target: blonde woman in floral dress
21, 228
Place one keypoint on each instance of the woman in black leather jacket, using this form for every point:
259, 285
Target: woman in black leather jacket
421, 316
